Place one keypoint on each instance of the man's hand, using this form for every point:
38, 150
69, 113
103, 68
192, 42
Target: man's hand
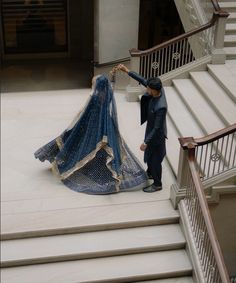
113, 71
123, 68
143, 146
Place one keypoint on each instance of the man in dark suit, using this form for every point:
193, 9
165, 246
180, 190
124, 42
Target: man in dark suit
153, 110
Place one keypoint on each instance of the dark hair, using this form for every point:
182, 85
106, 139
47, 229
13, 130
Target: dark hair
154, 83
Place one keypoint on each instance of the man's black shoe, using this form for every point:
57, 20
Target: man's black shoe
152, 189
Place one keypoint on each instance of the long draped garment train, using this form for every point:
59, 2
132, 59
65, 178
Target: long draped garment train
90, 156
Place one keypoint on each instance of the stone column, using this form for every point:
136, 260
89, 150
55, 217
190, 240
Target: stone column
178, 190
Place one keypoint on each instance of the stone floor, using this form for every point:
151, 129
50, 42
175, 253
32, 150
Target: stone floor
29, 120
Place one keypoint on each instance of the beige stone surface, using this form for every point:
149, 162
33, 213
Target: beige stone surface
30, 120
93, 244
29, 189
137, 267
215, 95
225, 74
201, 110
171, 280
88, 218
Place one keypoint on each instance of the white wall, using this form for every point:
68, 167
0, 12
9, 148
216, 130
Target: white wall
116, 29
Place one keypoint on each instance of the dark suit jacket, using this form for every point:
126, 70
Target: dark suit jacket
153, 110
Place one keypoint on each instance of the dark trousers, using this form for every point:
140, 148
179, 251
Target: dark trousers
154, 156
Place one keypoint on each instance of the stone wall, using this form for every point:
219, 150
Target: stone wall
116, 29
224, 219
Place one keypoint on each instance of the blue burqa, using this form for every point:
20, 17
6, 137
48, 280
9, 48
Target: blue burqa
90, 156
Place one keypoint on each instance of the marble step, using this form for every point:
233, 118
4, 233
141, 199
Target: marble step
172, 146
205, 116
181, 115
30, 202
230, 52
215, 95
87, 219
171, 280
229, 6
230, 28
91, 245
230, 40
231, 18
225, 77
126, 268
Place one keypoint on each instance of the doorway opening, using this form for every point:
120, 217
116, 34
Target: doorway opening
159, 21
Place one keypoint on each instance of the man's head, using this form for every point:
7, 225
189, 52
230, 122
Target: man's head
154, 86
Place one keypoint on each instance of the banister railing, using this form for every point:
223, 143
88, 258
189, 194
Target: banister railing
204, 235
190, 178
215, 153
180, 50
215, 4
138, 53
174, 53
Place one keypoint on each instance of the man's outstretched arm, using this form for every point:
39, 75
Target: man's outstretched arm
133, 75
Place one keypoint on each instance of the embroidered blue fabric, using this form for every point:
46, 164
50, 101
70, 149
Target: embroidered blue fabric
92, 157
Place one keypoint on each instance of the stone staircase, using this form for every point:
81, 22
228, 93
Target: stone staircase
140, 240
201, 104
52, 234
135, 241
120, 243
230, 31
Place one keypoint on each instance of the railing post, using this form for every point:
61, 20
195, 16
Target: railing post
178, 190
134, 89
218, 53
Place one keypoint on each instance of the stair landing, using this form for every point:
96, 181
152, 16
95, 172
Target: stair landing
29, 120
42, 220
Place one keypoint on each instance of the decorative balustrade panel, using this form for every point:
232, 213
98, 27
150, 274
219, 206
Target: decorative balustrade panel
177, 54
216, 157
166, 59
186, 48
